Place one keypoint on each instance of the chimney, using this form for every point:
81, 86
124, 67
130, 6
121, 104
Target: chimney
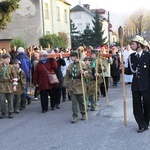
87, 6
80, 2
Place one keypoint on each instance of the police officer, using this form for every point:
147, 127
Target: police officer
8, 83
139, 66
146, 44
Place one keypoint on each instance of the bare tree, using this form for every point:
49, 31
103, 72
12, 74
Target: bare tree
137, 23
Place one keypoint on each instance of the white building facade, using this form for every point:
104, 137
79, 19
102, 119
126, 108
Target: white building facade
83, 16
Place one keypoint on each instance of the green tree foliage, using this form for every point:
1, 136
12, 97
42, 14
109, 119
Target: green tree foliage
7, 7
97, 37
75, 38
18, 42
64, 36
87, 36
73, 28
53, 40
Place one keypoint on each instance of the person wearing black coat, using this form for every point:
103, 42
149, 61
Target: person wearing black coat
139, 66
57, 90
13, 53
115, 69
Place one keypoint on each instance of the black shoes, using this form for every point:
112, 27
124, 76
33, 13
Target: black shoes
10, 115
2, 115
142, 130
44, 111
29, 101
75, 119
52, 108
92, 108
17, 111
57, 106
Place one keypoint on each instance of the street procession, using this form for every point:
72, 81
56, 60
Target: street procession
79, 75
68, 75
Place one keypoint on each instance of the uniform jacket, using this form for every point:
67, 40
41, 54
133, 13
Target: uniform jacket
74, 85
21, 81
6, 83
91, 81
40, 75
141, 78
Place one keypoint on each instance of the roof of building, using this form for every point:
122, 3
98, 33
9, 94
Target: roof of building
65, 2
100, 11
80, 8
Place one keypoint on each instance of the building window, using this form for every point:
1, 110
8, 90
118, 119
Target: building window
79, 27
114, 40
77, 15
58, 13
88, 24
46, 11
65, 16
47, 32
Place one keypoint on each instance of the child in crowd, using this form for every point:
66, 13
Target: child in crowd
21, 85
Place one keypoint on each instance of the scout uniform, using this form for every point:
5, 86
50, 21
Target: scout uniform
100, 65
107, 62
73, 83
8, 80
91, 83
20, 87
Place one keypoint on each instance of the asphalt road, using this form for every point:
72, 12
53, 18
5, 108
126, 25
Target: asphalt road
104, 130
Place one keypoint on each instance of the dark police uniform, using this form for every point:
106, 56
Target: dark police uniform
140, 68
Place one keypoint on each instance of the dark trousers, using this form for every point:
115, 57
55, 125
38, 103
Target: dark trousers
36, 92
102, 87
77, 101
63, 90
141, 107
44, 99
23, 101
57, 93
115, 80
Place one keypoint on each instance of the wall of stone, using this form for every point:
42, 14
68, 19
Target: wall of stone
26, 23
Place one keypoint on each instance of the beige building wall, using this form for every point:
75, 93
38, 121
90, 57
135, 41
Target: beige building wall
36, 18
56, 18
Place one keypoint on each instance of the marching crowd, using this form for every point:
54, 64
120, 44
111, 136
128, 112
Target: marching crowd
28, 66
81, 77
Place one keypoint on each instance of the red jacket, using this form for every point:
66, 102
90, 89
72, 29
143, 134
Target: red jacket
40, 75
